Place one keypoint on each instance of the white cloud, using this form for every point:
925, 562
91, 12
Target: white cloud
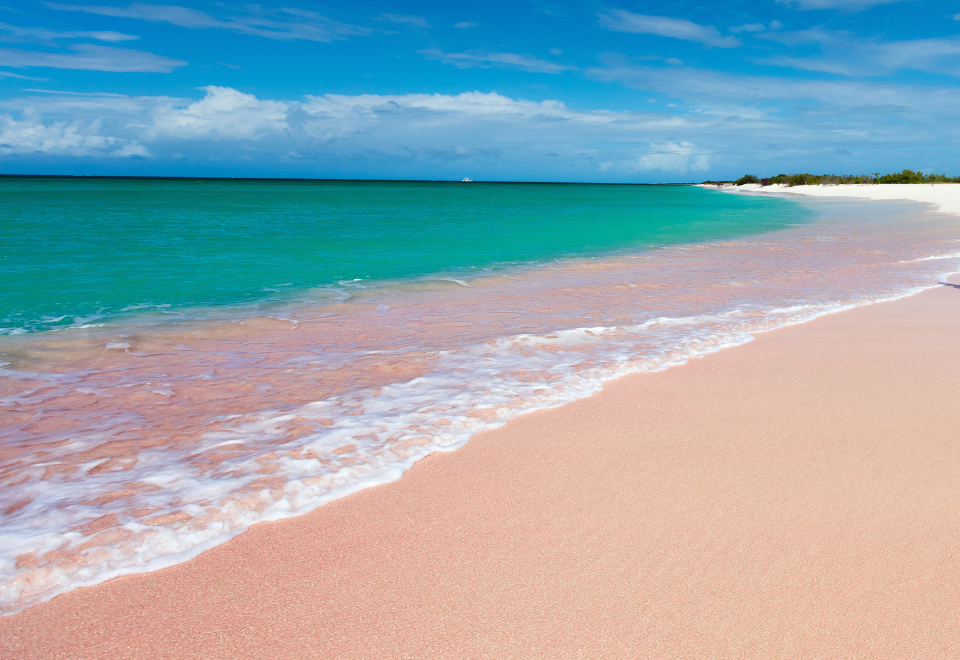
723, 121
801, 124
468, 104
91, 58
844, 5
63, 138
42, 34
749, 27
674, 157
95, 94
789, 100
7, 74
415, 21
485, 59
401, 133
677, 28
465, 24
273, 24
182, 16
844, 54
814, 35
223, 114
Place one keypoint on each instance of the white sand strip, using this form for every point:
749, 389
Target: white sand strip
945, 197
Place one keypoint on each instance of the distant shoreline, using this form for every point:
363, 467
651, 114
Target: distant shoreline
704, 184
944, 197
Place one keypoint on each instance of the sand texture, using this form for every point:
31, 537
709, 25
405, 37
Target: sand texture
944, 197
796, 497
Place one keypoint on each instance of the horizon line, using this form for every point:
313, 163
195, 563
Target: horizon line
327, 179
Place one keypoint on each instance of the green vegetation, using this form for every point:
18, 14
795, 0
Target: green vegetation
909, 176
906, 176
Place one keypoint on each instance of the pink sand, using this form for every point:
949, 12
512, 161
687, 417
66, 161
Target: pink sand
796, 497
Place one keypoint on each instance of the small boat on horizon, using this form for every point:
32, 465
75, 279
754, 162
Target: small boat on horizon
467, 180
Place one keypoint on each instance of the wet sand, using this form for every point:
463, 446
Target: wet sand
795, 497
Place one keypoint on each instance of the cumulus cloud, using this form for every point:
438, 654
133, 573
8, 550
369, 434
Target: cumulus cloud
283, 24
803, 123
223, 114
621, 20
91, 57
485, 59
471, 24
674, 157
31, 135
490, 135
396, 134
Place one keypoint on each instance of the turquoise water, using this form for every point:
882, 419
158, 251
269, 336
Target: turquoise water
170, 438
79, 250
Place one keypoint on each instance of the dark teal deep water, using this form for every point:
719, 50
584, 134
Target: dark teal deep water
79, 250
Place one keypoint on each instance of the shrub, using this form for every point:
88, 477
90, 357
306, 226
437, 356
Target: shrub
906, 176
803, 180
909, 176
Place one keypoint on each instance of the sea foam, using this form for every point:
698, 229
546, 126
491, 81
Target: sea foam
132, 449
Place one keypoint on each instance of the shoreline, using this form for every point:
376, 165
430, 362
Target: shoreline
791, 497
945, 197
831, 191
260, 441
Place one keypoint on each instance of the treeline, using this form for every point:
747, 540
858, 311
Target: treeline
906, 176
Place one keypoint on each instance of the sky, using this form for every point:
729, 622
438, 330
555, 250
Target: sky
525, 90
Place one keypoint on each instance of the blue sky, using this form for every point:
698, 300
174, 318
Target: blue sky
521, 90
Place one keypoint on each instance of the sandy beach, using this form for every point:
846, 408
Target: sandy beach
945, 197
444, 331
795, 497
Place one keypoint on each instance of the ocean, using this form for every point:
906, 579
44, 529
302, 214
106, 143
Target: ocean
184, 358
81, 251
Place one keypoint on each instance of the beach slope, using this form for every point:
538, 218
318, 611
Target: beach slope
795, 497
945, 197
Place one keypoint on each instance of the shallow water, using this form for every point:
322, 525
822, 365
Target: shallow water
83, 251
134, 446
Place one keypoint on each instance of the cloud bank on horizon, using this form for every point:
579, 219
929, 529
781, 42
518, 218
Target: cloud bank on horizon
539, 91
